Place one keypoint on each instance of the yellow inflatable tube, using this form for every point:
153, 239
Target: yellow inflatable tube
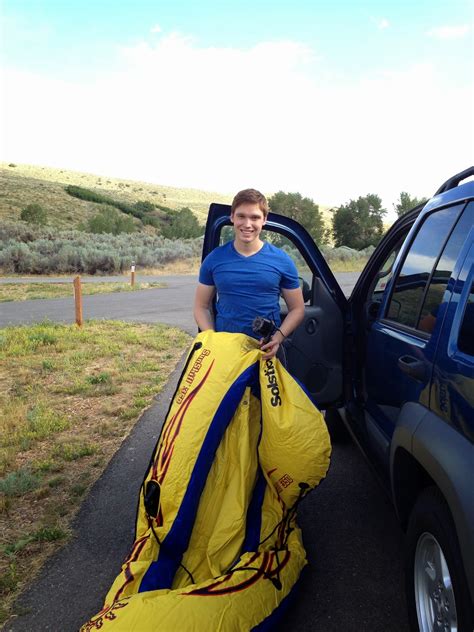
216, 545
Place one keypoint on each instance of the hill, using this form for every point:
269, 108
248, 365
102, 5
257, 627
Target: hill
21, 185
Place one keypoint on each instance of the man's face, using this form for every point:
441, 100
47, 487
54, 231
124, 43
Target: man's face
248, 220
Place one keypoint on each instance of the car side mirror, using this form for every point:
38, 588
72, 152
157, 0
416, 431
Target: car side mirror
304, 285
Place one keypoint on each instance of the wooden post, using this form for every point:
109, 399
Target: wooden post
78, 300
132, 277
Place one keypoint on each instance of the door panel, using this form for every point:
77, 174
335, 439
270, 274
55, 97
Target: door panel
314, 354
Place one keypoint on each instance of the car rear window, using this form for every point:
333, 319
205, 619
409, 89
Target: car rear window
444, 269
409, 292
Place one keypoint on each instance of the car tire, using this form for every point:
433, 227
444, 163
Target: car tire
336, 427
437, 594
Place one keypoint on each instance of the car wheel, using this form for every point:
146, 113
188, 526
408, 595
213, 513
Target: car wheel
437, 595
337, 430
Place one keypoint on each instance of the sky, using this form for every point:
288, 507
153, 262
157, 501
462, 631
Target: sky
331, 99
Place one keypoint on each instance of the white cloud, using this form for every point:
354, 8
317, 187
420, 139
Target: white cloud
156, 29
449, 32
381, 23
222, 119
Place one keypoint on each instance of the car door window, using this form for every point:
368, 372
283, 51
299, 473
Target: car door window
288, 246
443, 271
408, 294
382, 278
304, 271
466, 332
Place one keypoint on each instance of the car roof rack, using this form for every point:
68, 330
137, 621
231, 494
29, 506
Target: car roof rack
455, 180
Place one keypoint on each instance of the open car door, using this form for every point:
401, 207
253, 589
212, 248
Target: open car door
314, 353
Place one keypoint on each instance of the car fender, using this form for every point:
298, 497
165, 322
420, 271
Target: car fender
446, 457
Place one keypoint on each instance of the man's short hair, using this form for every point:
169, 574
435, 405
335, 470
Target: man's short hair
250, 196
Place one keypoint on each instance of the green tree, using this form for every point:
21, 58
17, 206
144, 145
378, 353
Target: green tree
301, 209
108, 220
359, 223
405, 203
183, 225
34, 214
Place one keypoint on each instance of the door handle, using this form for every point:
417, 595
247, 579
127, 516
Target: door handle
311, 326
413, 367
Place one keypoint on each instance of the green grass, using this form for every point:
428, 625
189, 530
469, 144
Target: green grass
101, 378
44, 421
74, 450
19, 483
49, 534
43, 534
66, 403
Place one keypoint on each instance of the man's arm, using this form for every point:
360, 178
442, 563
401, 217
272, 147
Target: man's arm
202, 306
295, 303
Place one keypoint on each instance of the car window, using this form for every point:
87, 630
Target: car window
382, 277
227, 234
444, 269
407, 297
304, 271
466, 331
288, 246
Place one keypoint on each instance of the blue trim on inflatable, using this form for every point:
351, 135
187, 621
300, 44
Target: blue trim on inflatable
254, 515
269, 624
160, 573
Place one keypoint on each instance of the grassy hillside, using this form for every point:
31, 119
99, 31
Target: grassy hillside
25, 184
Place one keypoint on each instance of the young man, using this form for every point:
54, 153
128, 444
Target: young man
249, 275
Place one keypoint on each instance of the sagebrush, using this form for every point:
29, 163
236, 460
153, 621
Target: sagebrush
27, 250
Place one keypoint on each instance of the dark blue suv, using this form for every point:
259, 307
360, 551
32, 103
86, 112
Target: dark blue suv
393, 365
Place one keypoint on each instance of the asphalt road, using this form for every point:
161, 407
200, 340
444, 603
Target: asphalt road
171, 305
353, 582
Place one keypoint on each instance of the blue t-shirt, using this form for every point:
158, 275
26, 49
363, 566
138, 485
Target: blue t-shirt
247, 286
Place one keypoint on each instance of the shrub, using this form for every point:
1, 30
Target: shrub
34, 214
152, 221
44, 251
16, 257
98, 198
110, 221
183, 225
144, 206
86, 194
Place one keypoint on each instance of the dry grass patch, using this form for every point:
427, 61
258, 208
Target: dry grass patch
183, 266
29, 291
356, 265
68, 398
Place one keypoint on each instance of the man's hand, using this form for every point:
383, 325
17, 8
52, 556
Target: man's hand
271, 347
